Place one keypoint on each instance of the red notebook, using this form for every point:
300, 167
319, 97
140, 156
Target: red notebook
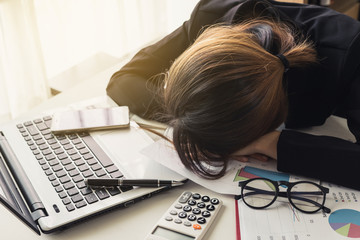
238, 235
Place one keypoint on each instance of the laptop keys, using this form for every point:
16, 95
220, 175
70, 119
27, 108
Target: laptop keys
67, 160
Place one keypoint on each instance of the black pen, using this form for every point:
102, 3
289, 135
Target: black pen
113, 182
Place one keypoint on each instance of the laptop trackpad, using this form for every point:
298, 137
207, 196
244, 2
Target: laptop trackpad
124, 146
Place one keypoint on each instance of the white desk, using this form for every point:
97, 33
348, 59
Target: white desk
131, 223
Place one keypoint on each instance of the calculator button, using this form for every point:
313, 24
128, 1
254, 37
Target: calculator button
215, 201
187, 208
182, 214
196, 211
185, 197
205, 199
178, 221
173, 212
191, 217
206, 214
201, 220
187, 224
201, 205
168, 218
196, 226
196, 196
178, 206
210, 207
191, 202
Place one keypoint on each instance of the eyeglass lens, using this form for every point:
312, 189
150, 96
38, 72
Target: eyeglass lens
307, 197
261, 193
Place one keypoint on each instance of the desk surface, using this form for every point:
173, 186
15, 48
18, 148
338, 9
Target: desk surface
134, 222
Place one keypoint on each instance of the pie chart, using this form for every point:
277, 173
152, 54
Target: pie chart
346, 222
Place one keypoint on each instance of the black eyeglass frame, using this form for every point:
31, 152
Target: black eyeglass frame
287, 193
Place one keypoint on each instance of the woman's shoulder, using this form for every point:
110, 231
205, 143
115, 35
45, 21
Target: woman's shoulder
324, 26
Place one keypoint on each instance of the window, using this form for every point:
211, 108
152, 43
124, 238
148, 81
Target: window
43, 39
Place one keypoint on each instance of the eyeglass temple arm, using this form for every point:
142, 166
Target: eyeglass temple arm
256, 191
325, 209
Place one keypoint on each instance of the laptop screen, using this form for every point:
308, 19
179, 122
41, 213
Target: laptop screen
11, 198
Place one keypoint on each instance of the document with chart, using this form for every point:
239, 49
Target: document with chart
284, 222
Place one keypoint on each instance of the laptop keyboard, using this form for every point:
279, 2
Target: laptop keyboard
67, 160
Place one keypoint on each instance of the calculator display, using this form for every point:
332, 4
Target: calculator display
171, 235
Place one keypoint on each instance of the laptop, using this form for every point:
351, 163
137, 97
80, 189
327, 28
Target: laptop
42, 174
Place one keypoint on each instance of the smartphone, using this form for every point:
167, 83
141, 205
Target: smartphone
90, 120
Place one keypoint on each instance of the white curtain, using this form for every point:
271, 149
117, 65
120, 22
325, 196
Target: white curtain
22, 74
40, 39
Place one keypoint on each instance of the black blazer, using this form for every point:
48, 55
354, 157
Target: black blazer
315, 93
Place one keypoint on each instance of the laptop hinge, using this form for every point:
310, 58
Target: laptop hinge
38, 214
28, 191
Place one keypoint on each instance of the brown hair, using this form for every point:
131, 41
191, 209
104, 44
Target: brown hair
227, 90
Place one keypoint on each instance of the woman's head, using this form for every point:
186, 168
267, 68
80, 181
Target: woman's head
227, 90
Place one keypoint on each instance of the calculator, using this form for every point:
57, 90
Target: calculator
188, 218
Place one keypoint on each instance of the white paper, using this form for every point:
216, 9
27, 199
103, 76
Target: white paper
164, 153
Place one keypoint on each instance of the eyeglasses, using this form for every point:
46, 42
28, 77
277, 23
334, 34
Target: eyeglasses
307, 197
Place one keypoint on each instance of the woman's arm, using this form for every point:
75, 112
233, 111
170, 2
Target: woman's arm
133, 85
322, 157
